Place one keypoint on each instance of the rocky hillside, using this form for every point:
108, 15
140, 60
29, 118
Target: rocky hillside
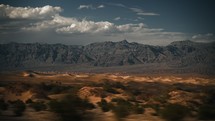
180, 54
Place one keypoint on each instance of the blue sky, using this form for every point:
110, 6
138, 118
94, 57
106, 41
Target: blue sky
155, 22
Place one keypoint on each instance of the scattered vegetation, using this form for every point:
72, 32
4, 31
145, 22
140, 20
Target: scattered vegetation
207, 110
105, 106
38, 106
174, 112
53, 88
71, 108
138, 109
138, 95
29, 101
121, 107
3, 105
18, 107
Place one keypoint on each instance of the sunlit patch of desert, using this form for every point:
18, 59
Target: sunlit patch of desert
144, 90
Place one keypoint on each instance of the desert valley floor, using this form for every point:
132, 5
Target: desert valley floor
105, 96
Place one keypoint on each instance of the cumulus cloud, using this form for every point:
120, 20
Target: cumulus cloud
56, 21
85, 26
58, 27
7, 11
90, 6
209, 37
65, 25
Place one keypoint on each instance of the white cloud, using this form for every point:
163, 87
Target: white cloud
28, 12
85, 26
85, 7
101, 6
136, 10
117, 5
86, 31
56, 21
140, 18
117, 18
131, 27
102, 27
148, 14
209, 37
90, 6
139, 11
65, 25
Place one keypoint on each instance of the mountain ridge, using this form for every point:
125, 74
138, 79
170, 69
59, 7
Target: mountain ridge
105, 54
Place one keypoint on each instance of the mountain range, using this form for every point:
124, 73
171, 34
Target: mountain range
106, 54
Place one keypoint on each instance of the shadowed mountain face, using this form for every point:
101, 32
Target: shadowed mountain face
180, 54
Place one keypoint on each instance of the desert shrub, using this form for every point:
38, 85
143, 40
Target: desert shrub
117, 100
29, 101
71, 108
3, 105
109, 89
18, 107
156, 107
174, 112
206, 112
38, 106
138, 109
105, 106
210, 98
109, 86
119, 85
122, 107
121, 111
53, 88
162, 99
135, 92
86, 104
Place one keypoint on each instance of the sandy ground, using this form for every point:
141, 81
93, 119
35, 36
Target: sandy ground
80, 78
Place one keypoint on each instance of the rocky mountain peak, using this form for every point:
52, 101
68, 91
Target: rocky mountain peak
185, 42
124, 42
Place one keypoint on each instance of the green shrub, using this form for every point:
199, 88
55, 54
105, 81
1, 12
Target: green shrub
138, 109
174, 112
109, 86
18, 107
207, 112
29, 101
105, 106
156, 107
121, 111
38, 106
53, 88
110, 90
122, 108
119, 85
3, 105
71, 108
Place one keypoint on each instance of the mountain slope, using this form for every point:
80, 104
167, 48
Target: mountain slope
179, 54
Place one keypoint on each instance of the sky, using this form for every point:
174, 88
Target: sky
80, 22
